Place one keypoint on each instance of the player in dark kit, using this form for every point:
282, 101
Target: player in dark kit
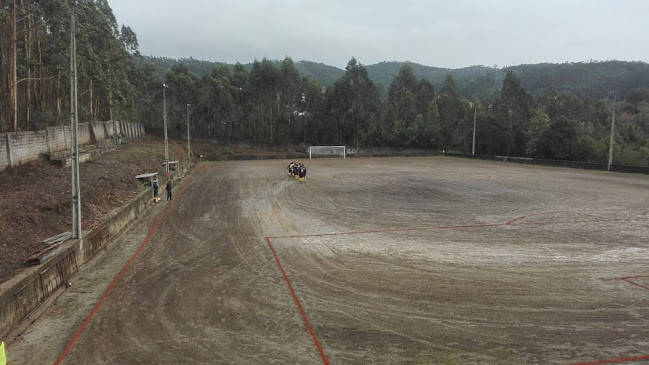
302, 174
168, 190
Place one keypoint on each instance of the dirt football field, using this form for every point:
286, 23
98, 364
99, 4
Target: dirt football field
430, 260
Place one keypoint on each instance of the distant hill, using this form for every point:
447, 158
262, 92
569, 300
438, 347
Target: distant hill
383, 73
326, 75
585, 79
199, 67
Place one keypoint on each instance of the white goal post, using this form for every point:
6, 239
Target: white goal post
326, 151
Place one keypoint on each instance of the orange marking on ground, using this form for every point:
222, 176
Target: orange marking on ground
117, 279
614, 361
314, 337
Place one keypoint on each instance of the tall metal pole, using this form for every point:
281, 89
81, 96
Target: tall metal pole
475, 113
610, 147
164, 112
188, 147
74, 126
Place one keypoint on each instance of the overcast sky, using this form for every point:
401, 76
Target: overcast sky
451, 33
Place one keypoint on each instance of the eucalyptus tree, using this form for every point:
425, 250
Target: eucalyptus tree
516, 109
353, 105
456, 126
402, 107
310, 109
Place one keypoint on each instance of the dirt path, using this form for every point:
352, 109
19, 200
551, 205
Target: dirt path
395, 261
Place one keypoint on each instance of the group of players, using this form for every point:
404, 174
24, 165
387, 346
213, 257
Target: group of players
298, 171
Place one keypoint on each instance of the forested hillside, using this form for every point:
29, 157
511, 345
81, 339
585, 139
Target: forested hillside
584, 79
548, 111
324, 74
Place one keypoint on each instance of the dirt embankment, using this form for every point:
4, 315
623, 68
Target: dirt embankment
35, 203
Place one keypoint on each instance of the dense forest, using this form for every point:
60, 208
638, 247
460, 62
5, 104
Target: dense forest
558, 111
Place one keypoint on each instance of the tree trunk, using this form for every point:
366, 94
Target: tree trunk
4, 90
41, 100
58, 98
92, 115
110, 102
28, 52
14, 70
96, 107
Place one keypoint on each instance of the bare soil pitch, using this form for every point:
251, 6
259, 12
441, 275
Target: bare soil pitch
395, 261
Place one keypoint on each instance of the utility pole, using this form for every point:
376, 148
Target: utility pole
188, 148
610, 146
164, 116
475, 113
74, 126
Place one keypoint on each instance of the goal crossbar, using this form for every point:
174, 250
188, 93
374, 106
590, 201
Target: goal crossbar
326, 151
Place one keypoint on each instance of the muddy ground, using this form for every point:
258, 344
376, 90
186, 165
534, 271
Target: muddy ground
392, 260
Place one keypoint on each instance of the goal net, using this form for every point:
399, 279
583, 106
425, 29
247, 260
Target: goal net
326, 151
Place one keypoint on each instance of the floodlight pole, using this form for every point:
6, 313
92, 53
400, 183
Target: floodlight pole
610, 147
188, 147
164, 116
475, 113
74, 126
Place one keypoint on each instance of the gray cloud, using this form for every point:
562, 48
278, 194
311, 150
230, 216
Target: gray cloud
454, 34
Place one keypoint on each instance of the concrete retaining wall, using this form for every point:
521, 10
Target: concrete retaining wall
84, 134
27, 146
21, 295
99, 130
59, 138
5, 157
21, 147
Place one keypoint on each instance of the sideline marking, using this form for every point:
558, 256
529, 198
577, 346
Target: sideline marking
614, 361
627, 279
325, 360
486, 225
119, 276
636, 284
514, 220
464, 226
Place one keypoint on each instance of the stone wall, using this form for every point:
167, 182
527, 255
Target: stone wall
21, 147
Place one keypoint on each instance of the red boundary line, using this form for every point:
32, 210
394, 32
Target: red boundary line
636, 284
389, 230
614, 361
627, 279
118, 278
514, 220
487, 225
466, 226
325, 360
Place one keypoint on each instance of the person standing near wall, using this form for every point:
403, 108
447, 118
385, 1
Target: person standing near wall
155, 187
169, 190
